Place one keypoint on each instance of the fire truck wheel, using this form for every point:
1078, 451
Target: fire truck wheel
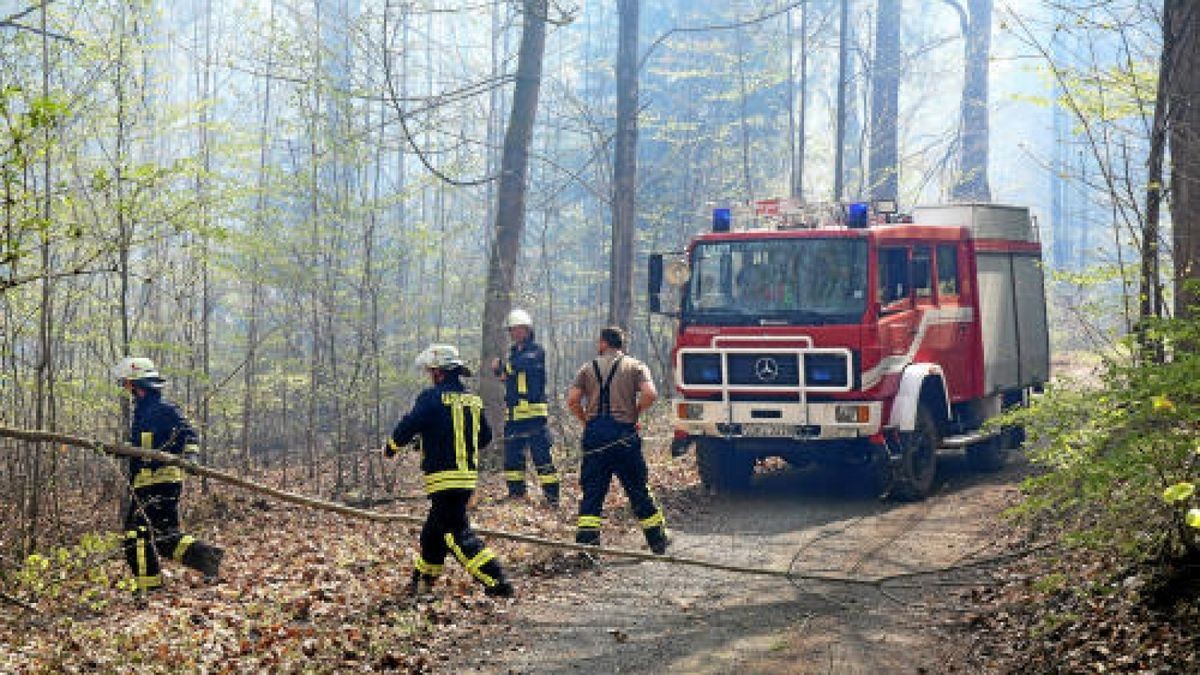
722, 467
989, 455
913, 475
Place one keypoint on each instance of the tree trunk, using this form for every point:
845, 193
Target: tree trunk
510, 204
1184, 137
624, 202
798, 119
885, 102
972, 183
1150, 288
839, 160
256, 291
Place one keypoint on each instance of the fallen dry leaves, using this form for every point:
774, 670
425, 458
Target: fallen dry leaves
305, 591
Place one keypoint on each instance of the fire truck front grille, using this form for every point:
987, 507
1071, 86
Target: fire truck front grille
822, 370
825, 370
702, 369
764, 370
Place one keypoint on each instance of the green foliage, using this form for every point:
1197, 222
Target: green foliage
70, 572
1121, 456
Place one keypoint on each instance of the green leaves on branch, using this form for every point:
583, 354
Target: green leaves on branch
1193, 518
1179, 492
1120, 452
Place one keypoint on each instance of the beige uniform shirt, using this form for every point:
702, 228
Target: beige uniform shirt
622, 393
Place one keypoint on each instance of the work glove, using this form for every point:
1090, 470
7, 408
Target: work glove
390, 448
191, 453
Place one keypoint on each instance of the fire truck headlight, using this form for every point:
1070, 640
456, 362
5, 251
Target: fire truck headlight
690, 411
852, 414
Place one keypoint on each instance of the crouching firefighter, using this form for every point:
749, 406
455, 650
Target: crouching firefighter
524, 376
452, 428
152, 522
617, 389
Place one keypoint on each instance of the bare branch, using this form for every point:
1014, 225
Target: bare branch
395, 100
717, 27
963, 20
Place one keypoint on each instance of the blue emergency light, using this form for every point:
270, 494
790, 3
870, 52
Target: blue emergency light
858, 215
722, 220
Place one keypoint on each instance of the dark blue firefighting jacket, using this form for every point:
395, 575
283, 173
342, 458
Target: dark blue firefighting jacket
159, 425
525, 382
453, 428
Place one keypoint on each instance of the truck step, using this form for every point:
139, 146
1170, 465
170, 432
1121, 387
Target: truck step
964, 440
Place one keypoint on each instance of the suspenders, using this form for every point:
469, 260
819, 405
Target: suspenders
605, 409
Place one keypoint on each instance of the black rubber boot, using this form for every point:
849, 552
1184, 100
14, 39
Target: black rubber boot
502, 589
551, 492
421, 585
205, 559
658, 540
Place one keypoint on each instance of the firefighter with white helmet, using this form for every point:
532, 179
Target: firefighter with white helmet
152, 522
527, 410
452, 427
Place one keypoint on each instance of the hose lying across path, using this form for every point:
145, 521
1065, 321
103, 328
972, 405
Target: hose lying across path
385, 517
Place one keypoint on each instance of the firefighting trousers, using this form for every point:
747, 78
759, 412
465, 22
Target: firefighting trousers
626, 462
152, 531
533, 434
446, 530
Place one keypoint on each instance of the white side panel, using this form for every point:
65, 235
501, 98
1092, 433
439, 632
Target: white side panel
998, 321
986, 221
1031, 320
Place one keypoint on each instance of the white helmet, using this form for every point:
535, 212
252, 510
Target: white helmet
442, 357
518, 317
137, 368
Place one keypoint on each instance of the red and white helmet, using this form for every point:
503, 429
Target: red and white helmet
137, 368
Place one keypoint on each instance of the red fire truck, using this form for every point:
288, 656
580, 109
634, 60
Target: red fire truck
854, 335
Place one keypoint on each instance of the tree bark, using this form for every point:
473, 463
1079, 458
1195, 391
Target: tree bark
624, 202
885, 103
839, 161
510, 200
972, 182
1184, 138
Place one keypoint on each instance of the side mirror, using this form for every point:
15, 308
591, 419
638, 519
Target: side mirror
668, 268
654, 279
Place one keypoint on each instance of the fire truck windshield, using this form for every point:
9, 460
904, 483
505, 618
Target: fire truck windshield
778, 281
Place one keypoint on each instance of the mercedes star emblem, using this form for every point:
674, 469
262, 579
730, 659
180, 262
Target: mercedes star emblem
766, 369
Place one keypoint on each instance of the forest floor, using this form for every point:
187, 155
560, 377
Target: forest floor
310, 591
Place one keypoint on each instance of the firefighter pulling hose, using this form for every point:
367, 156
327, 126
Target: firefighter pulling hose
152, 527
409, 519
452, 427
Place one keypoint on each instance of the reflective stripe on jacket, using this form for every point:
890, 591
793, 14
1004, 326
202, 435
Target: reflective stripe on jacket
525, 382
159, 425
452, 427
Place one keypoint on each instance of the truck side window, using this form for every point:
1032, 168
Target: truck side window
947, 270
922, 273
893, 275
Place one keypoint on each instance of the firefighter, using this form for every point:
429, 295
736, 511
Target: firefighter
617, 388
152, 521
452, 428
525, 422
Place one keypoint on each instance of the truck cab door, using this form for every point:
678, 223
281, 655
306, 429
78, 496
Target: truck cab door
899, 320
955, 340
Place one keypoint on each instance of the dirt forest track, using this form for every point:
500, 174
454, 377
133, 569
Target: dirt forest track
635, 617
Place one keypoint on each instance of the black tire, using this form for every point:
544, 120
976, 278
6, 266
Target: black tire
913, 475
1013, 437
990, 455
722, 468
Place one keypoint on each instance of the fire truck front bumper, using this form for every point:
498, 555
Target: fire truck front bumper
833, 420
